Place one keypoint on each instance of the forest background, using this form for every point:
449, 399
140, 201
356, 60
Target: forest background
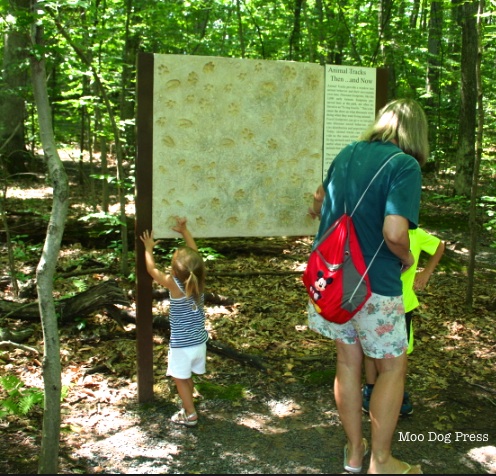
68, 88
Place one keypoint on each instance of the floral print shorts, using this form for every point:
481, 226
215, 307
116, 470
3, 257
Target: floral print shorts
379, 327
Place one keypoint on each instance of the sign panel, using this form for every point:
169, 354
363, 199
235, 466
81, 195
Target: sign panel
237, 145
350, 106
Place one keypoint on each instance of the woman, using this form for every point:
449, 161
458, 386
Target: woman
389, 210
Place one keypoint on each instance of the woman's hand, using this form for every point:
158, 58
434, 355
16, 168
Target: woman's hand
318, 197
313, 213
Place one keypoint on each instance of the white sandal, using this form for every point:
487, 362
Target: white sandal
181, 418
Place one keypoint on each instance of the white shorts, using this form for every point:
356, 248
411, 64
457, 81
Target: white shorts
182, 361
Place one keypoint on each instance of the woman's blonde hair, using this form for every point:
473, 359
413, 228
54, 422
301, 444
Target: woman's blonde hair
187, 266
403, 121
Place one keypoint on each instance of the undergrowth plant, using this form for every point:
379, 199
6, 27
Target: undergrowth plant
489, 205
20, 399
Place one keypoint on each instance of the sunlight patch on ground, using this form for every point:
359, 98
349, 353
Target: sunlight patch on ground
486, 456
75, 251
300, 267
83, 207
284, 409
215, 310
158, 457
31, 375
25, 193
130, 209
260, 423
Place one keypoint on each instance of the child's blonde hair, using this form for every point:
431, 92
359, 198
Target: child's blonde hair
187, 266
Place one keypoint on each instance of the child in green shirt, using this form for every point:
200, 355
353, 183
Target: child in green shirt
420, 240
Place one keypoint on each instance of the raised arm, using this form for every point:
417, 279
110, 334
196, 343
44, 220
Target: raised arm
153, 271
182, 228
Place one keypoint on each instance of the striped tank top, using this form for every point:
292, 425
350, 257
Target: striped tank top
187, 320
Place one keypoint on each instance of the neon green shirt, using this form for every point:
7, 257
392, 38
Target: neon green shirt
420, 241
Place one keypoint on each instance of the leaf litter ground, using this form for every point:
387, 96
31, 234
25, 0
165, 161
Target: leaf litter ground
282, 419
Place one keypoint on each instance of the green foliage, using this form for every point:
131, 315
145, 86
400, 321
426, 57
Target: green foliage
20, 400
23, 251
80, 284
209, 254
110, 222
112, 33
81, 323
222, 392
489, 205
448, 199
19, 247
320, 377
128, 183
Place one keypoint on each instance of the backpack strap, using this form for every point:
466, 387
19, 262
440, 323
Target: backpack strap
371, 181
362, 277
356, 206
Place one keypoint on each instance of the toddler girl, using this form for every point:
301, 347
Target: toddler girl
187, 349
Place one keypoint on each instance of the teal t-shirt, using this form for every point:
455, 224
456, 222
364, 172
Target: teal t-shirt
395, 191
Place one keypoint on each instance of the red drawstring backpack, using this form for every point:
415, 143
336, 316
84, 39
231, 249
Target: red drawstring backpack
336, 275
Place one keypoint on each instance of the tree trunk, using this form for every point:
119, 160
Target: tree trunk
434, 63
132, 41
415, 14
49, 455
100, 130
385, 14
241, 33
104, 171
9, 244
474, 235
14, 155
465, 156
295, 38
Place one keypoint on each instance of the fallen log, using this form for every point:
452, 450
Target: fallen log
94, 233
210, 298
222, 349
8, 343
81, 305
15, 336
217, 347
246, 274
107, 296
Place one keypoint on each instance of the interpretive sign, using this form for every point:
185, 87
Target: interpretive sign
238, 146
350, 106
